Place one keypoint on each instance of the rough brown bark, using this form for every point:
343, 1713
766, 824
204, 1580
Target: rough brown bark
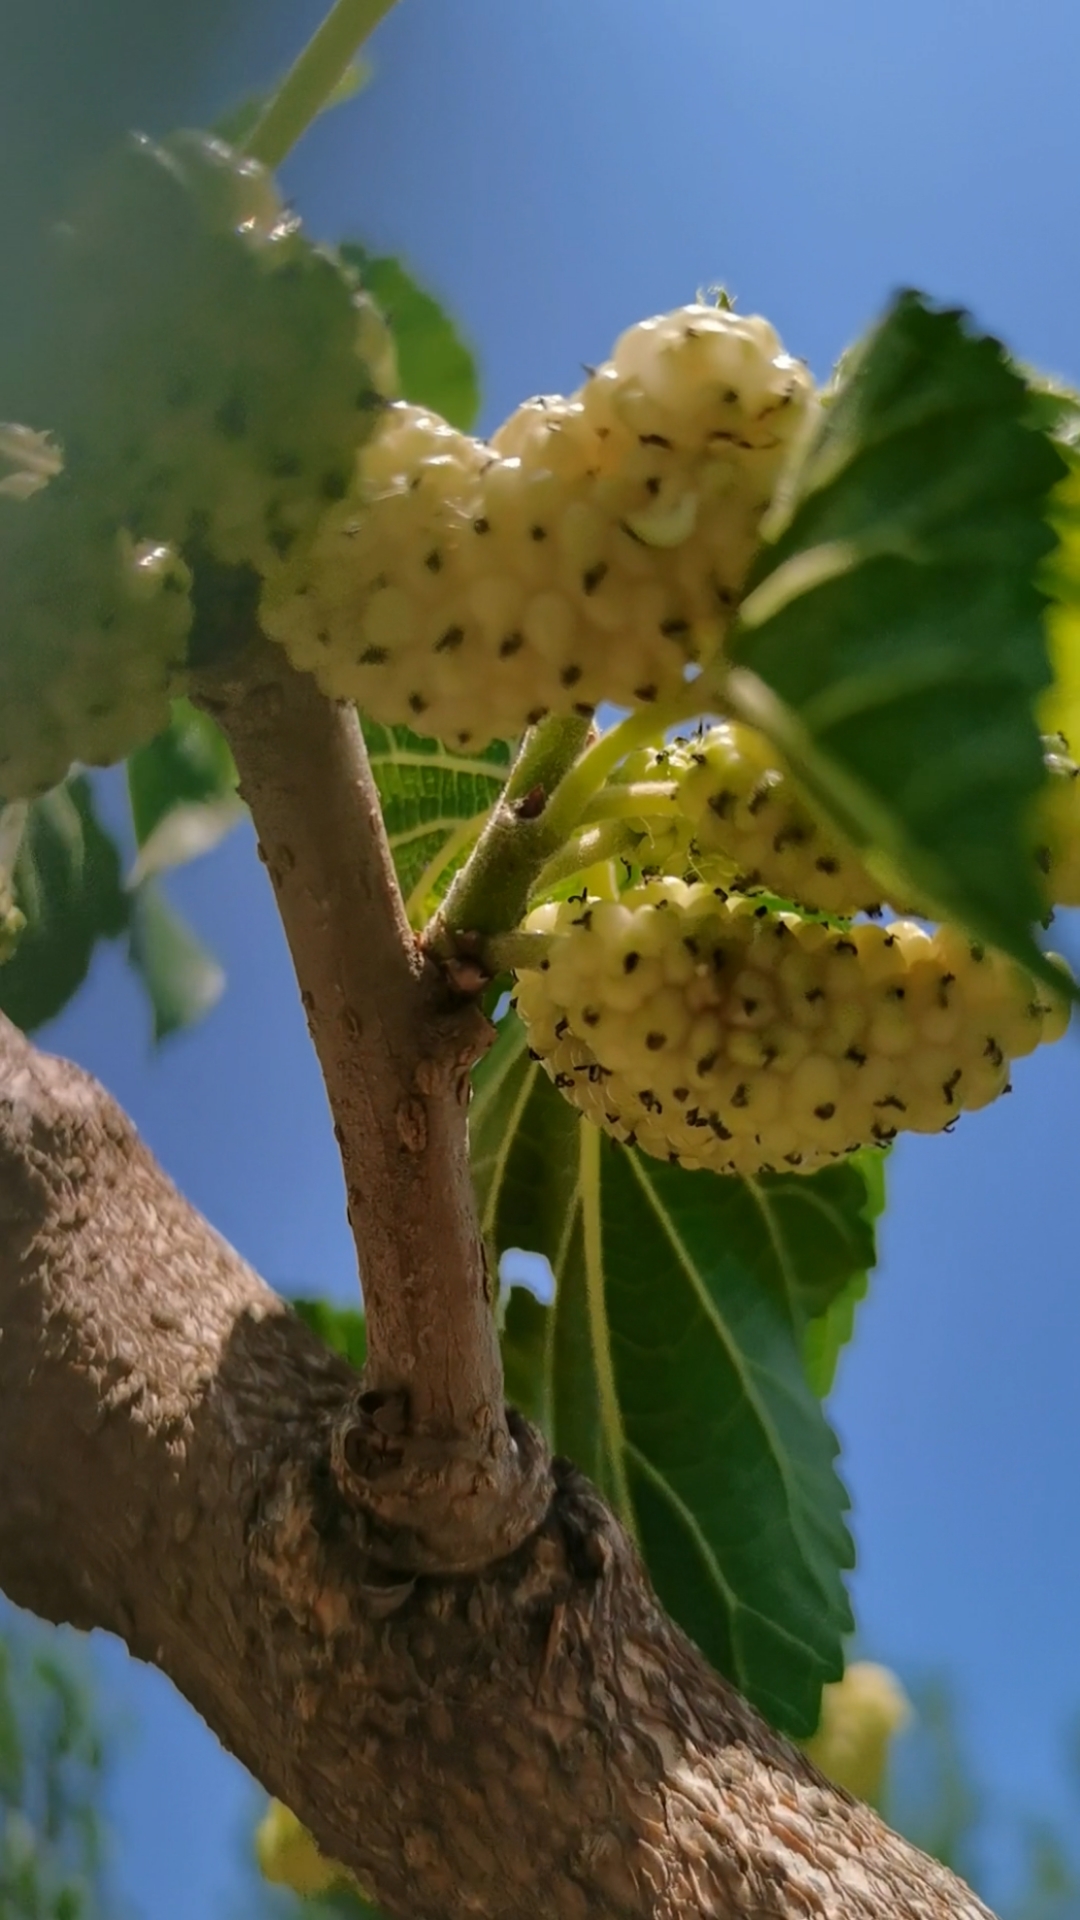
395, 1045
534, 1739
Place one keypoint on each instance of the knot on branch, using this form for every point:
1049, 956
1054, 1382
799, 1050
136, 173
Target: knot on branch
438, 1504
452, 1034
458, 1031
531, 805
310, 1550
343, 1528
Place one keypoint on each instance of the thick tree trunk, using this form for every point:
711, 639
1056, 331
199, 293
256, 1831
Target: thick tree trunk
534, 1739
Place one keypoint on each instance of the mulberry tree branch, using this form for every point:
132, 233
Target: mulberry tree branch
533, 1738
444, 1474
311, 81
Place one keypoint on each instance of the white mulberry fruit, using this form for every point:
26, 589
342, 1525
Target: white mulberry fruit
205, 375
28, 460
860, 1717
751, 827
591, 552
93, 638
714, 1032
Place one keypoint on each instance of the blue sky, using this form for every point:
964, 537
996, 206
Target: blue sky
556, 172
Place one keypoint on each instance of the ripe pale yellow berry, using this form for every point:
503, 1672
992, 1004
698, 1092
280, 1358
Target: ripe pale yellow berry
289, 1857
12, 921
860, 1717
592, 552
713, 1031
751, 827
737, 818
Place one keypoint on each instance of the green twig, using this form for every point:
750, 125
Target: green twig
515, 952
635, 800
585, 850
311, 80
571, 798
490, 893
546, 752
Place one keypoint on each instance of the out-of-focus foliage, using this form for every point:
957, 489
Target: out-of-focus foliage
70, 894
69, 889
435, 366
935, 1798
52, 1768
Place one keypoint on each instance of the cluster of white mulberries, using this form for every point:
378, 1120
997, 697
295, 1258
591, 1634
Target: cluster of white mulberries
714, 1032
207, 381
93, 636
28, 461
591, 552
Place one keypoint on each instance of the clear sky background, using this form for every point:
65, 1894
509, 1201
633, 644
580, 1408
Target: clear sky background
555, 172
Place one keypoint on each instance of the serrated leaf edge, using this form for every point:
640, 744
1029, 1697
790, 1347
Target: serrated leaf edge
872, 827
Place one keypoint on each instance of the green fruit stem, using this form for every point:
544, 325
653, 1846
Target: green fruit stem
635, 800
516, 952
573, 797
311, 80
490, 893
604, 842
547, 750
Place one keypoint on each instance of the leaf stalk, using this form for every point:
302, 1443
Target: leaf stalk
312, 78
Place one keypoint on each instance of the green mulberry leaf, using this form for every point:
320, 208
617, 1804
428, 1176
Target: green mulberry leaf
434, 804
855, 1216
183, 981
182, 789
524, 1357
673, 1365
68, 886
892, 641
435, 367
524, 1148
